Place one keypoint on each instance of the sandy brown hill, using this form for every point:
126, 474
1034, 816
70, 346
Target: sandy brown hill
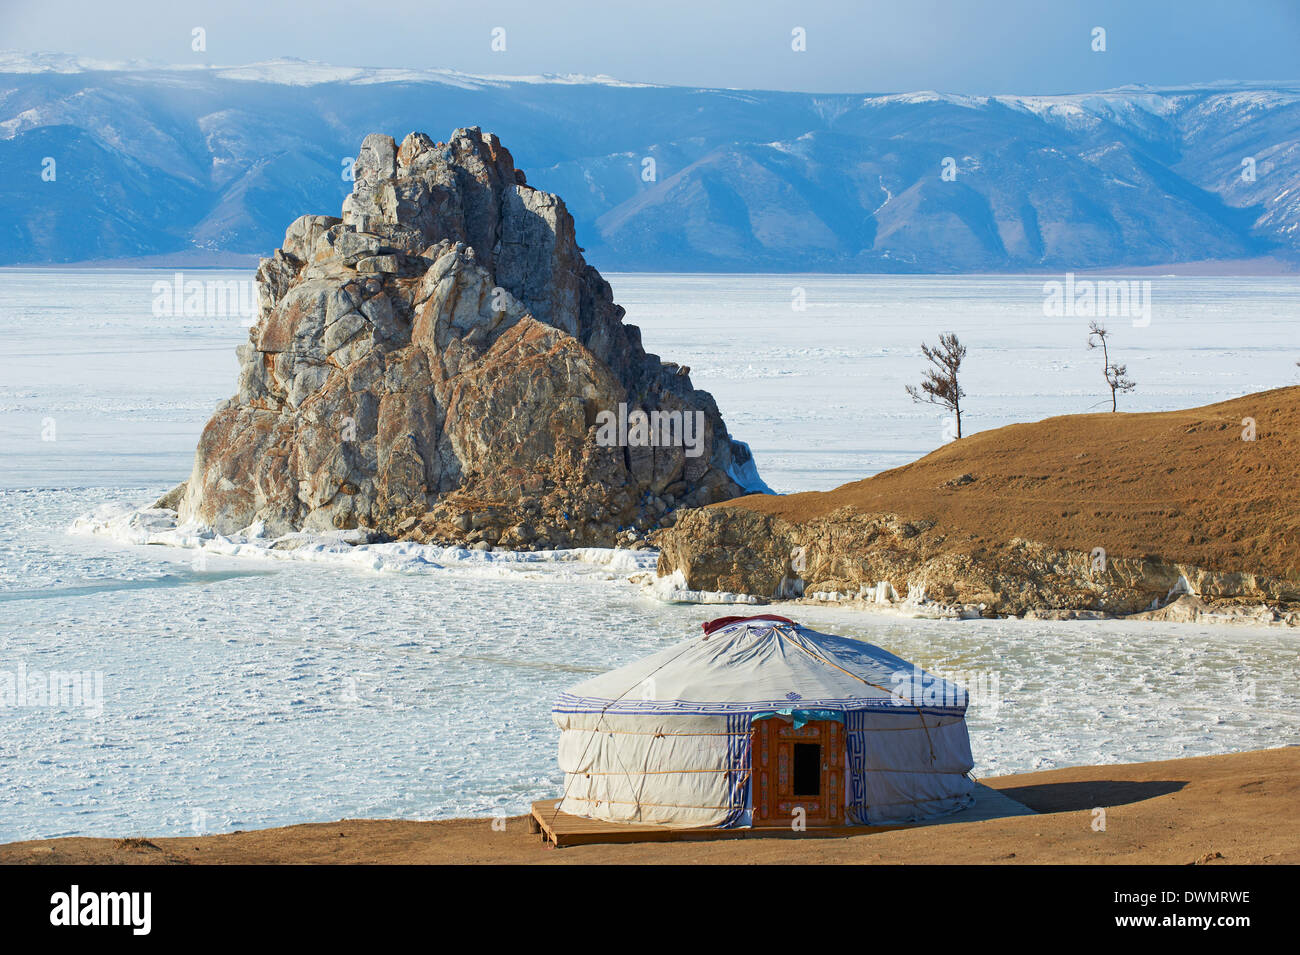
1162, 493
1176, 484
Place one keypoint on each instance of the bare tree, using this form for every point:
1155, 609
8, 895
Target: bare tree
1116, 375
940, 385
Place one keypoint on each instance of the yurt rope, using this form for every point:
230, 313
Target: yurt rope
919, 715
596, 730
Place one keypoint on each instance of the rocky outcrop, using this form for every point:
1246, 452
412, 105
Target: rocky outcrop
886, 559
434, 365
1078, 515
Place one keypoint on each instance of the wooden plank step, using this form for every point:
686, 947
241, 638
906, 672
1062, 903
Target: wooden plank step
561, 829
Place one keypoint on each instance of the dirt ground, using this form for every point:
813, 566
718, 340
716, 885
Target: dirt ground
1238, 808
1182, 485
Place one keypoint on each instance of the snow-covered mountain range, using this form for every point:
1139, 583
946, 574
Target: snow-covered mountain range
124, 160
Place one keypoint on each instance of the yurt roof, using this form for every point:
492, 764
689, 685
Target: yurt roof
761, 664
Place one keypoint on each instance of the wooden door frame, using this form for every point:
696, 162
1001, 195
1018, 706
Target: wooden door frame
771, 783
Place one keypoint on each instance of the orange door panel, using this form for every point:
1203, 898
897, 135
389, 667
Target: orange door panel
795, 769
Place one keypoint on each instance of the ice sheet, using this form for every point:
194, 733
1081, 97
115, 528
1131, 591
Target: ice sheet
247, 687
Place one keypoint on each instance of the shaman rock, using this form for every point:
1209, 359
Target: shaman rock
434, 363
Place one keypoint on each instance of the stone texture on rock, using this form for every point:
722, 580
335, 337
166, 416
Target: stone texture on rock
1073, 515
431, 365
849, 553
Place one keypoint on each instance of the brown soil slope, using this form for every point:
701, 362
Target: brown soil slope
1181, 485
1010, 521
1231, 809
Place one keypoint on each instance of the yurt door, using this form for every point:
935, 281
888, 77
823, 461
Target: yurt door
795, 769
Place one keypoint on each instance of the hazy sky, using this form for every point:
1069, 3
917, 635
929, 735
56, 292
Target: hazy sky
975, 46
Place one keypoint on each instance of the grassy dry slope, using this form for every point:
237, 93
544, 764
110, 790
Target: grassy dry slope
1180, 485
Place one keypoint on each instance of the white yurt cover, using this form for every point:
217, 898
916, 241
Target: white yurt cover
666, 739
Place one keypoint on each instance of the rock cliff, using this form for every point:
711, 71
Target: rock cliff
438, 364
1084, 514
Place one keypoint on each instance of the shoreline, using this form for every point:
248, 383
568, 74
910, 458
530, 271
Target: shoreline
1183, 609
1232, 808
148, 526
126, 525
1174, 515
1179, 611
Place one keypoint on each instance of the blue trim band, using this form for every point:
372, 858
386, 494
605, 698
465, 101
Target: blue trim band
571, 704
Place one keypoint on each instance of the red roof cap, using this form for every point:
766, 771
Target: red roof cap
721, 622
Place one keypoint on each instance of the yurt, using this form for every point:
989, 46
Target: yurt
761, 722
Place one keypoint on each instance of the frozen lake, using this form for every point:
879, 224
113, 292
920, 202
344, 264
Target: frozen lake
817, 393
241, 693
